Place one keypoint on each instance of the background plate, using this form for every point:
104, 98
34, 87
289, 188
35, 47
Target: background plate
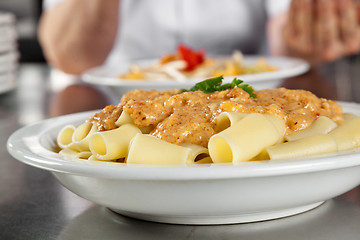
288, 67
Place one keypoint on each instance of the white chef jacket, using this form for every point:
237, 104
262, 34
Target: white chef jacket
151, 28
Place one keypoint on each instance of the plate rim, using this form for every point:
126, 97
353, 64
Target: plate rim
301, 67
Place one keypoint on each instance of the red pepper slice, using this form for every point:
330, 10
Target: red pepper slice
191, 57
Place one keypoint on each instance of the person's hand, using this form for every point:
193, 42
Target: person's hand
322, 30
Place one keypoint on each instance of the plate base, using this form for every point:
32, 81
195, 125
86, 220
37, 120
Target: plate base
216, 220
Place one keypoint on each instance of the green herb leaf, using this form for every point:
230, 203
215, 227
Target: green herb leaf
214, 84
208, 86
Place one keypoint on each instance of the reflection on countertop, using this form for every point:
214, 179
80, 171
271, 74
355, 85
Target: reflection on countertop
328, 221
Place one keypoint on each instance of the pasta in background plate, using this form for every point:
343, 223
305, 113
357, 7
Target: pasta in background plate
187, 63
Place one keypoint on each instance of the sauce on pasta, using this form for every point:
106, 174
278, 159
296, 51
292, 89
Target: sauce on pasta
189, 117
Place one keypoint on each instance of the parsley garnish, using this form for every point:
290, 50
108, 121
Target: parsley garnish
214, 84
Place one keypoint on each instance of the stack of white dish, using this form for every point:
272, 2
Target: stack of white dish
8, 52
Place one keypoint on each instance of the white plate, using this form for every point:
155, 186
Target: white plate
8, 33
8, 67
203, 194
7, 18
7, 82
288, 67
9, 61
7, 47
10, 57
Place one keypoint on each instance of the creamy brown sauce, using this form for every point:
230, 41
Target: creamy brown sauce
190, 117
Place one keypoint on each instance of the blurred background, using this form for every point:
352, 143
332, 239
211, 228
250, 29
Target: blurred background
23, 83
27, 14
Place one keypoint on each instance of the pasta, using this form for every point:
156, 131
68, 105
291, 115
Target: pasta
226, 119
64, 137
113, 144
175, 67
81, 135
241, 137
146, 149
349, 116
308, 146
222, 131
124, 119
199, 154
322, 125
246, 138
347, 136
70, 153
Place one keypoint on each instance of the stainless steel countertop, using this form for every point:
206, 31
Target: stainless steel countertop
33, 205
